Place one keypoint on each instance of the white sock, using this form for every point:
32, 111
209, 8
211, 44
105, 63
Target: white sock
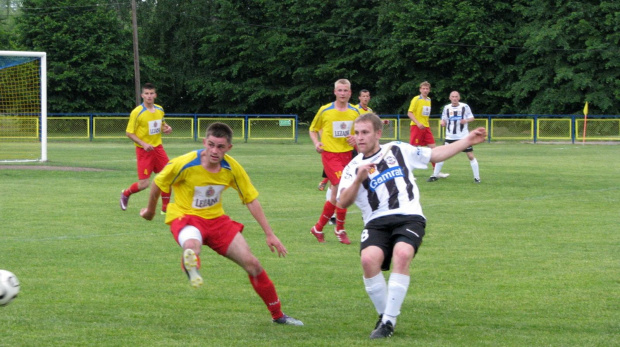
437, 169
474, 168
376, 287
397, 289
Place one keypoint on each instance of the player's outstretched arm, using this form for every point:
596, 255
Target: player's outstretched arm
149, 212
256, 209
445, 152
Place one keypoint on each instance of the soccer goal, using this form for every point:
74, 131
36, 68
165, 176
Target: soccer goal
23, 106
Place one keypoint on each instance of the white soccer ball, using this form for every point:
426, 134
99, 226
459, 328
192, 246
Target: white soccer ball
9, 287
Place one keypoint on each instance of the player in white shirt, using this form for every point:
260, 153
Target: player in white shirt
455, 118
380, 181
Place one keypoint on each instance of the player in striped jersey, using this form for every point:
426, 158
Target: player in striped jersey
380, 181
455, 117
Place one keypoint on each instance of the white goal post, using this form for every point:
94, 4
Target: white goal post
23, 106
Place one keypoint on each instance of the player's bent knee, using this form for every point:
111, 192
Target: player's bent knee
253, 268
190, 237
403, 253
371, 260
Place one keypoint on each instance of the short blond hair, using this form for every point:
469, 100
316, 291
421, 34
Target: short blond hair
342, 81
425, 84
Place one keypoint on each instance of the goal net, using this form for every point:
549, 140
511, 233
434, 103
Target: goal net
23, 106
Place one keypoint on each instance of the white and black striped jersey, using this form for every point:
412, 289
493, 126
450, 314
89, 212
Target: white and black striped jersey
391, 188
453, 115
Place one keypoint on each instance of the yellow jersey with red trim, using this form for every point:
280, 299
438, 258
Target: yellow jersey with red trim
363, 110
336, 126
146, 124
421, 109
199, 192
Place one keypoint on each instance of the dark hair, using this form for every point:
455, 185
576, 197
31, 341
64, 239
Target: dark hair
364, 91
148, 86
220, 130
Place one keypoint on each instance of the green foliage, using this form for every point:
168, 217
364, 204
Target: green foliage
89, 53
282, 56
570, 54
529, 257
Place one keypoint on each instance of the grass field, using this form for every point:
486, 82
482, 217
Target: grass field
529, 257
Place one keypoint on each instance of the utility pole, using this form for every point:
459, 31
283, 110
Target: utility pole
136, 55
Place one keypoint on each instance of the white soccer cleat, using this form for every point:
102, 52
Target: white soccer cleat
190, 265
442, 175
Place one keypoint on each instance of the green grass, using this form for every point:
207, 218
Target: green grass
530, 257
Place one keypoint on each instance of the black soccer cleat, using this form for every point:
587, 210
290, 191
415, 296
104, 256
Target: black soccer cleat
431, 179
384, 330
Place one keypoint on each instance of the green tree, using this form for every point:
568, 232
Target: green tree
570, 54
8, 12
89, 53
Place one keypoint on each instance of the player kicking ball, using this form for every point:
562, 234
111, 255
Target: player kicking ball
381, 183
196, 217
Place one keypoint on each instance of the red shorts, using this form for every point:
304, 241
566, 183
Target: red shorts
216, 233
421, 137
334, 163
152, 161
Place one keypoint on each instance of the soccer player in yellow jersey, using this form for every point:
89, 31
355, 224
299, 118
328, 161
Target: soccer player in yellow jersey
364, 98
419, 113
196, 217
146, 123
334, 123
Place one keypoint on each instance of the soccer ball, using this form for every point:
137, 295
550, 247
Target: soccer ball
9, 287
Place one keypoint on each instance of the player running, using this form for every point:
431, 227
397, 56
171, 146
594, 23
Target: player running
146, 123
333, 123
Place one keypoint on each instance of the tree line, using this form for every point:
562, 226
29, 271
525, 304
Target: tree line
283, 56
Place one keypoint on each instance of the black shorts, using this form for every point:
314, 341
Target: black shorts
468, 149
385, 232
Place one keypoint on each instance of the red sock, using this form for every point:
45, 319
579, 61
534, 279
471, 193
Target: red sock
341, 214
165, 199
328, 212
132, 189
433, 165
267, 291
324, 181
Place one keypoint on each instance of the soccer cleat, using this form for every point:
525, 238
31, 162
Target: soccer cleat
342, 236
318, 234
191, 263
288, 320
384, 330
431, 179
162, 212
124, 200
443, 175
322, 185
476, 180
